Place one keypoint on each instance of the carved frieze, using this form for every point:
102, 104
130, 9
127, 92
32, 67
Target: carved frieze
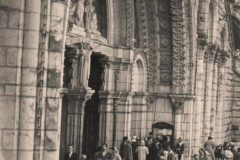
165, 47
178, 75
130, 23
152, 45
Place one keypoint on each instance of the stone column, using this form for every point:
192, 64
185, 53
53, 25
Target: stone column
106, 118
57, 24
75, 117
220, 97
202, 44
214, 95
115, 105
178, 104
209, 55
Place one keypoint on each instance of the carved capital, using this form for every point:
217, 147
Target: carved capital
211, 52
177, 102
223, 57
202, 45
150, 100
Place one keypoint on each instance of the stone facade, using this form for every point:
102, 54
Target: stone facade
87, 72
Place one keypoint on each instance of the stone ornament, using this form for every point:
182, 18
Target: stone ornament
178, 103
163, 7
76, 13
178, 47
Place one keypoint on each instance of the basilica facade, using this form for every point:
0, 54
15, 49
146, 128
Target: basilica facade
88, 72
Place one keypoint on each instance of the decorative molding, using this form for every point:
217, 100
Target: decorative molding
130, 23
152, 43
40, 100
165, 47
178, 76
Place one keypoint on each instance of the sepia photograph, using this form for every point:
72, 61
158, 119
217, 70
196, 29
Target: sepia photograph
119, 79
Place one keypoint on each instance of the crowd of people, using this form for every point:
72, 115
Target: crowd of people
159, 148
226, 151
134, 148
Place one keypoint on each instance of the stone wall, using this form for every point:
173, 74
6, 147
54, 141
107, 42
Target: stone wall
19, 40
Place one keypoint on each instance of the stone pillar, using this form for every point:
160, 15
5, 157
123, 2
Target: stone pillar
106, 118
202, 44
115, 105
57, 24
178, 104
220, 97
75, 117
209, 56
214, 95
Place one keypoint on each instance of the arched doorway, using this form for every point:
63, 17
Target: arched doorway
91, 110
91, 128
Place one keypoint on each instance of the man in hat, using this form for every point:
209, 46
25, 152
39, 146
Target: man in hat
126, 150
209, 146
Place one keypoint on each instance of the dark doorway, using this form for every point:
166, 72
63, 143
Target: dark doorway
63, 138
91, 111
91, 128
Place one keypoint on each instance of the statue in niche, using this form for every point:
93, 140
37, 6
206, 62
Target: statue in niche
76, 14
94, 22
79, 12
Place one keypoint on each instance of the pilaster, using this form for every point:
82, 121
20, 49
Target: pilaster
75, 117
220, 96
209, 57
214, 102
202, 45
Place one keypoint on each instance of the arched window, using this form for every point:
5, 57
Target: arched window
138, 77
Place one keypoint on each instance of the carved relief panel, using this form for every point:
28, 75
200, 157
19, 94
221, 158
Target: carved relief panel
165, 45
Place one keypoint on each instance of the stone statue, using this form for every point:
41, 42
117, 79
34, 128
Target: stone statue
76, 14
79, 12
93, 23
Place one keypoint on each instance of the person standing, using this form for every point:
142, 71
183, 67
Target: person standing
142, 151
126, 150
237, 155
209, 146
134, 147
115, 154
170, 155
70, 155
103, 155
180, 148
